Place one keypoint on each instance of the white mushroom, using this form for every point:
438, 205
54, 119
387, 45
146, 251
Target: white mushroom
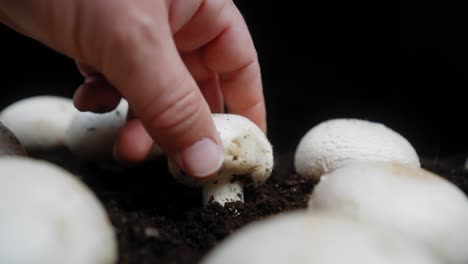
9, 144
404, 199
319, 238
247, 153
335, 143
92, 136
47, 216
39, 122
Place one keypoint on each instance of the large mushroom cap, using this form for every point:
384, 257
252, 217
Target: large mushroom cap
404, 199
319, 238
335, 143
39, 122
47, 216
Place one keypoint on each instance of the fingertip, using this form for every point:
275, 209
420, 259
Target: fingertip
202, 159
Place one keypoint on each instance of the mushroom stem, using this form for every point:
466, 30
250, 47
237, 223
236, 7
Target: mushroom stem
223, 191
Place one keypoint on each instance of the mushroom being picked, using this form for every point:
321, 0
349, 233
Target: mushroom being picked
39, 122
9, 144
335, 143
92, 136
404, 199
47, 216
319, 238
248, 158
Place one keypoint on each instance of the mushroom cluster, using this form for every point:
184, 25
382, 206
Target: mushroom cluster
415, 203
372, 204
370, 173
48, 122
47, 215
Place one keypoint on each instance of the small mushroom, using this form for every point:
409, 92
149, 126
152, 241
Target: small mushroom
92, 136
319, 238
335, 143
247, 154
9, 144
404, 199
47, 216
39, 122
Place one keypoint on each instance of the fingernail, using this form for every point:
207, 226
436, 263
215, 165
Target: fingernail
203, 158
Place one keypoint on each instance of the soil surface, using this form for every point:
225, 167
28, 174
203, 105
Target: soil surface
158, 220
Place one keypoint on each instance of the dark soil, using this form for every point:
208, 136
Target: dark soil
161, 221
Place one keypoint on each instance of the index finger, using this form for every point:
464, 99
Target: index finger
233, 56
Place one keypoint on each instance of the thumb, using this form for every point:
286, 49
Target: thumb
153, 78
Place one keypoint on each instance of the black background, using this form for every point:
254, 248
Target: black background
403, 64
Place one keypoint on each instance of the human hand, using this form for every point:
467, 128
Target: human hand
172, 60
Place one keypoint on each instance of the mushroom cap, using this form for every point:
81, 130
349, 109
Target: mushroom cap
404, 199
92, 136
319, 238
9, 144
337, 142
39, 122
47, 216
247, 151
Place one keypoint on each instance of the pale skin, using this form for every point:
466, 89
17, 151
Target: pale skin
175, 61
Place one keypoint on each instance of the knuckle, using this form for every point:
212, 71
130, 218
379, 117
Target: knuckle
179, 115
249, 70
